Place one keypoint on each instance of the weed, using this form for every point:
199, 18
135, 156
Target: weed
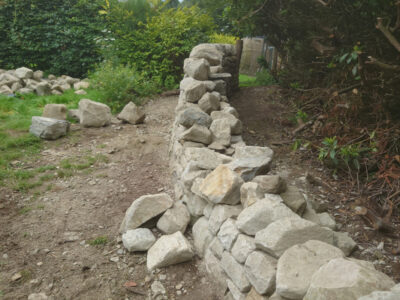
40, 206
24, 210
26, 275
99, 241
301, 115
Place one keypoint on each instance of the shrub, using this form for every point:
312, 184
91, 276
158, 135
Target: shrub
264, 77
159, 47
120, 84
57, 36
220, 38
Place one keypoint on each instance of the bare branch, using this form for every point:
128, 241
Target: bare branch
249, 15
374, 61
329, 2
397, 25
386, 32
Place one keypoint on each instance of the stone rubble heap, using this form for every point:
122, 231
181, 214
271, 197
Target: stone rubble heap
53, 125
25, 81
258, 237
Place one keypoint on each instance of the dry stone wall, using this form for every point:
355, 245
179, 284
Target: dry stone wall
258, 237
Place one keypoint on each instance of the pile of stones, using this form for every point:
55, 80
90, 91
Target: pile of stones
259, 238
25, 81
53, 123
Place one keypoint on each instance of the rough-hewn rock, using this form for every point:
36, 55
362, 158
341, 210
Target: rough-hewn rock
343, 278
197, 133
81, 85
174, 219
205, 158
94, 114
55, 111
132, 114
235, 272
209, 102
198, 69
250, 192
215, 270
287, 232
145, 208
191, 116
202, 236
228, 233
253, 295
24, 73
235, 124
192, 89
5, 90
221, 132
43, 89
216, 248
271, 184
260, 269
220, 213
235, 291
140, 239
222, 186
262, 213
195, 205
48, 129
297, 265
344, 242
243, 247
169, 250
250, 161
294, 199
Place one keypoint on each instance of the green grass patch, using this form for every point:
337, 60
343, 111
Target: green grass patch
99, 241
246, 81
262, 78
25, 210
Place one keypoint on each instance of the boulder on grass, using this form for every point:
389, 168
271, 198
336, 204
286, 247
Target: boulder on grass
55, 111
43, 89
94, 114
169, 250
24, 73
48, 129
132, 114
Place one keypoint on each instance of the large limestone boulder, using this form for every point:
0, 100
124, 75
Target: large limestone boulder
213, 53
221, 132
298, 264
24, 73
55, 111
393, 294
261, 271
215, 270
94, 114
235, 124
8, 79
235, 272
145, 208
250, 161
294, 199
192, 115
287, 232
169, 250
5, 90
132, 114
228, 234
140, 239
216, 248
261, 214
48, 129
43, 89
220, 213
344, 242
37, 75
192, 89
271, 184
174, 219
243, 247
198, 69
209, 102
197, 133
349, 279
206, 159
81, 85
195, 205
250, 193
222, 186
202, 237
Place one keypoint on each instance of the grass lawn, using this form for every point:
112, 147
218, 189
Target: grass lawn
246, 81
17, 144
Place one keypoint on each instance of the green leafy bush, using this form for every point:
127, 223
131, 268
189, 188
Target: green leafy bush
120, 84
264, 77
57, 36
219, 38
157, 48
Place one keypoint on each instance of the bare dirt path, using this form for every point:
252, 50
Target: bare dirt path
62, 238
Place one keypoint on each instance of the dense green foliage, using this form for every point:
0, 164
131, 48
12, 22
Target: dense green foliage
120, 84
159, 46
57, 36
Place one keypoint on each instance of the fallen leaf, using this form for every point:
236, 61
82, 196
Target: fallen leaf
130, 284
